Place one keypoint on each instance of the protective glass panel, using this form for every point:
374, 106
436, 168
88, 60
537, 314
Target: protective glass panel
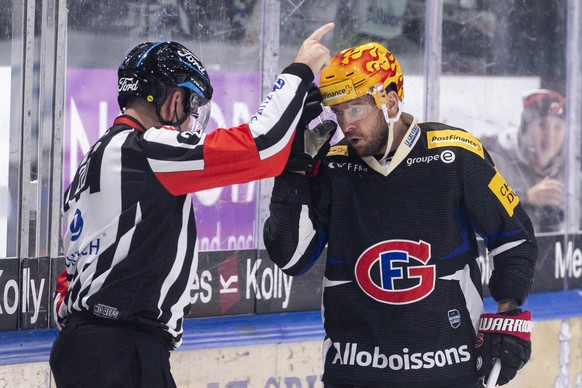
5, 88
496, 58
395, 24
225, 37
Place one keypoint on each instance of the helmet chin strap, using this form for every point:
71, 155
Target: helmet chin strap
391, 121
177, 121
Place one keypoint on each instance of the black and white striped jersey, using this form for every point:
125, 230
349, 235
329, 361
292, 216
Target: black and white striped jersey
130, 239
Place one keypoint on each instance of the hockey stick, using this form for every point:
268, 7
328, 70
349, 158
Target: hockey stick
494, 375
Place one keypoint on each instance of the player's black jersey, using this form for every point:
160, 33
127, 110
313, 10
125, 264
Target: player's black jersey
130, 240
402, 288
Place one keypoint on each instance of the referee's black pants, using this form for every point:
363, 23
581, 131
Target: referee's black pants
90, 355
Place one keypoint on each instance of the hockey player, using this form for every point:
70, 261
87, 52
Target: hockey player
130, 242
398, 204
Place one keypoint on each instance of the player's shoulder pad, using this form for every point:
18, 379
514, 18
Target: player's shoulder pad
442, 136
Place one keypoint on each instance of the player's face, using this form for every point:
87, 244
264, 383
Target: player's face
547, 136
363, 125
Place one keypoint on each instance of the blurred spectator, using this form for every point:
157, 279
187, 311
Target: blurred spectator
530, 158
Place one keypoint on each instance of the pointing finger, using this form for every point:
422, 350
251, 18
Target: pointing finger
318, 34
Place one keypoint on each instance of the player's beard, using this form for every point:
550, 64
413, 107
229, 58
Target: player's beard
377, 140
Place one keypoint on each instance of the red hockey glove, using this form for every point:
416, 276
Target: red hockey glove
505, 336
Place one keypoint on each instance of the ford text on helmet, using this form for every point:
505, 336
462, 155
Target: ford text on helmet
542, 102
358, 71
150, 69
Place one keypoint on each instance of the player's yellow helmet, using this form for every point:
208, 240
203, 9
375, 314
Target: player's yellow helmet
357, 71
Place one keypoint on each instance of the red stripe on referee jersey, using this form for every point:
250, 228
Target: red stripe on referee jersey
129, 121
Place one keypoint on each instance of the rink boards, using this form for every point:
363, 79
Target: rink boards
252, 326
283, 350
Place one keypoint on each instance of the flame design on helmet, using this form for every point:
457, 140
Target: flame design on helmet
357, 71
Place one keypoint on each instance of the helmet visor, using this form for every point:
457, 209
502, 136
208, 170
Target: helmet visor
351, 113
200, 112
